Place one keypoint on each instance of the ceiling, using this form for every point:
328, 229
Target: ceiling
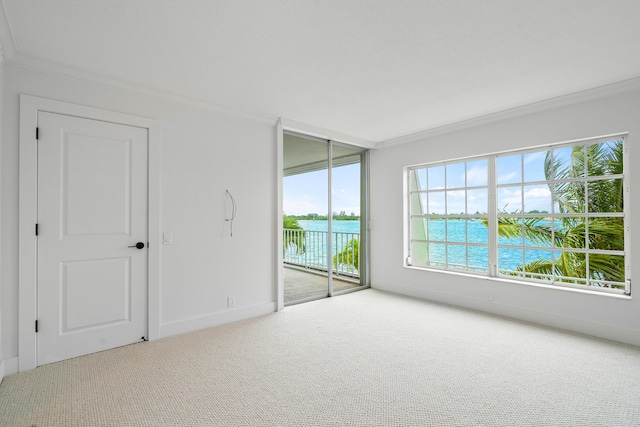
303, 155
372, 69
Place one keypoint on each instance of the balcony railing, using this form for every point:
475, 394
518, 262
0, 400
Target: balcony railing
308, 249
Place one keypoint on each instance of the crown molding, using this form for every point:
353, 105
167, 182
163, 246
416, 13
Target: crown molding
31, 63
592, 94
10, 55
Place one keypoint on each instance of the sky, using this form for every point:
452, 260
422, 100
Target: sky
510, 170
307, 193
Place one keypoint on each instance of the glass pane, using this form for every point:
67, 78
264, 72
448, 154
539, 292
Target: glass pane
537, 199
305, 201
571, 233
605, 158
606, 234
510, 169
435, 178
418, 229
457, 257
608, 268
568, 162
606, 195
477, 173
346, 185
456, 230
510, 260
418, 203
539, 264
477, 201
437, 229
569, 197
436, 203
418, 179
479, 259
478, 232
455, 175
510, 231
456, 202
419, 254
534, 166
510, 199
437, 254
571, 267
537, 232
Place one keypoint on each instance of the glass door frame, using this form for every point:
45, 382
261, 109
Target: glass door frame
364, 243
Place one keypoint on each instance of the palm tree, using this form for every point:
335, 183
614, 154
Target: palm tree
294, 235
604, 233
349, 256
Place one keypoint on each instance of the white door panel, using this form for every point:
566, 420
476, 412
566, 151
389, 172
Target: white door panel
92, 205
96, 188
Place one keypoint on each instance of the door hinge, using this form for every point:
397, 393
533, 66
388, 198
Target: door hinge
36, 229
36, 326
37, 133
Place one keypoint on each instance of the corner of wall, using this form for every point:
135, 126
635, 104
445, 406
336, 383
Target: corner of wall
215, 319
1, 144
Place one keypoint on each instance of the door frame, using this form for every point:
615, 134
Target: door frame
28, 214
286, 125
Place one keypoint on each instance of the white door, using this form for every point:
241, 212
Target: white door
92, 207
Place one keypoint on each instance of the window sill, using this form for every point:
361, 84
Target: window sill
521, 282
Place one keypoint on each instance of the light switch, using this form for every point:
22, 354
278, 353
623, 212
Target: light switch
167, 238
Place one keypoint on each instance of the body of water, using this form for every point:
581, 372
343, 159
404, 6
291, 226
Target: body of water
338, 226
316, 242
511, 253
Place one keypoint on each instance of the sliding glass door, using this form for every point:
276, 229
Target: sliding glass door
324, 218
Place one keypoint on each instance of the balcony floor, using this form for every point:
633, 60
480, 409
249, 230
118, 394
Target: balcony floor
300, 284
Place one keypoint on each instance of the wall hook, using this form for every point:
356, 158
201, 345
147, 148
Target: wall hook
234, 209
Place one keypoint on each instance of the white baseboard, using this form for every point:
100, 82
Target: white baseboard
8, 367
216, 319
581, 326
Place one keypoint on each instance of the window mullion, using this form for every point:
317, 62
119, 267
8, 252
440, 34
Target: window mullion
626, 208
409, 226
492, 215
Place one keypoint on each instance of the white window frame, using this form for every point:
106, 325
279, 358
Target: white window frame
445, 216
493, 214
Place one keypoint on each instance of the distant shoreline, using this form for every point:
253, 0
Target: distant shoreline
323, 218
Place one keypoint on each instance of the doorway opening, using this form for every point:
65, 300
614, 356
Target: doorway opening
325, 233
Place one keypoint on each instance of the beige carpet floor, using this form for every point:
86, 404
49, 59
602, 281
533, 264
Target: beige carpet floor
363, 359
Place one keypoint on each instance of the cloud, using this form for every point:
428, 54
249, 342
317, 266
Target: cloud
476, 176
508, 177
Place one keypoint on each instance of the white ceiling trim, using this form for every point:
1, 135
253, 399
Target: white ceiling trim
613, 89
27, 62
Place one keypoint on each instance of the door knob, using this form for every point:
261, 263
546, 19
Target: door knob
138, 245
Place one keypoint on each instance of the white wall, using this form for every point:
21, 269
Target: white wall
605, 316
203, 153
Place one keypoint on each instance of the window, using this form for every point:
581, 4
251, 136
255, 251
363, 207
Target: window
554, 215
